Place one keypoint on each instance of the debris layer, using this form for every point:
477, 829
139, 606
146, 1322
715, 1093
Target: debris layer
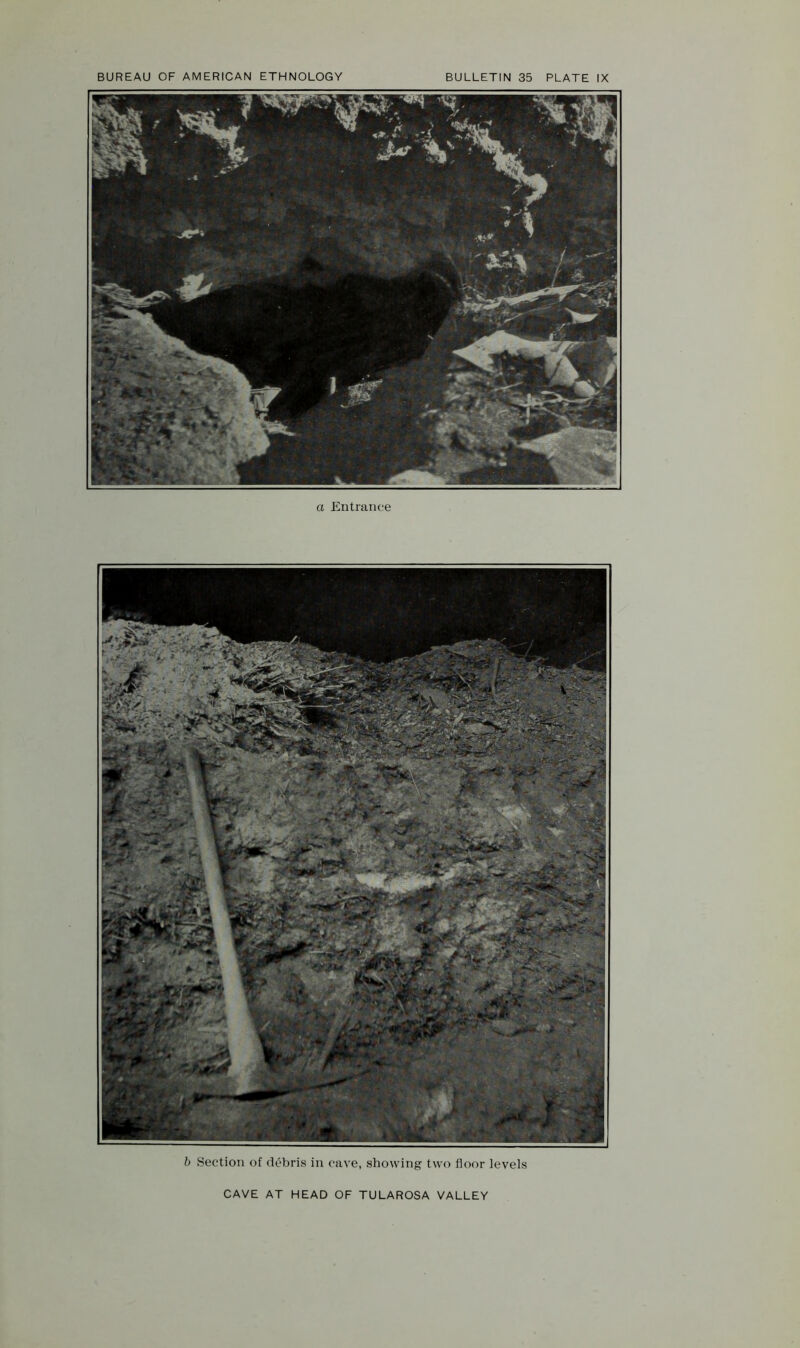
413, 853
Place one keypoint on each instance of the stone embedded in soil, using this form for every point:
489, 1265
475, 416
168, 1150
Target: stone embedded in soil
416, 477
395, 884
395, 934
507, 1028
435, 1108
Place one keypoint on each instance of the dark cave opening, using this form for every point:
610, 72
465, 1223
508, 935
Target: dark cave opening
378, 613
316, 332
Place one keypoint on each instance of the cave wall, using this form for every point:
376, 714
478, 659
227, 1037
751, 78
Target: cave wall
195, 191
376, 613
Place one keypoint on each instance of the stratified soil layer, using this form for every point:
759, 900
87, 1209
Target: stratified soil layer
412, 850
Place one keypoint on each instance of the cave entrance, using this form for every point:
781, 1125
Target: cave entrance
341, 366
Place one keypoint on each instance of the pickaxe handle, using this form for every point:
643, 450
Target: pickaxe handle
248, 1067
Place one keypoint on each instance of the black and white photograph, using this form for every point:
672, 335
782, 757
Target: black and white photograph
353, 837
354, 289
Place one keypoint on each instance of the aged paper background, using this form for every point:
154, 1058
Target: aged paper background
681, 1232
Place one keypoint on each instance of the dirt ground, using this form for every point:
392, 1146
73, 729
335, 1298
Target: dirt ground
413, 851
453, 423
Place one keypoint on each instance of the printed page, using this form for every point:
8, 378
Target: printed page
398, 740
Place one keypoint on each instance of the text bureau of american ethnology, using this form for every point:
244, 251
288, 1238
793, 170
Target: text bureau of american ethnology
219, 77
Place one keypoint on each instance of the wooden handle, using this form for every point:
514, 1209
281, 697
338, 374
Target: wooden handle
246, 1051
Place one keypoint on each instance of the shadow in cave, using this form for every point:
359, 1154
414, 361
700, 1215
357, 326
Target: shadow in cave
303, 337
556, 614
521, 468
369, 443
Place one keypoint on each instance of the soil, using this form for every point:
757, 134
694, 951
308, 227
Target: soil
413, 851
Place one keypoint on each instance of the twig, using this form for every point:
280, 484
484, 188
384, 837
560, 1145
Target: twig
337, 1025
558, 268
495, 669
601, 651
522, 313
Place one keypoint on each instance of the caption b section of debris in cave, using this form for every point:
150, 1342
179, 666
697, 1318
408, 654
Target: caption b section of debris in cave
404, 773
354, 290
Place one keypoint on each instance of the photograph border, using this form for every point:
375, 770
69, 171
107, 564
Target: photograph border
354, 487
603, 1145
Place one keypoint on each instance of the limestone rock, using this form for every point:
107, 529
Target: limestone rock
162, 414
579, 456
